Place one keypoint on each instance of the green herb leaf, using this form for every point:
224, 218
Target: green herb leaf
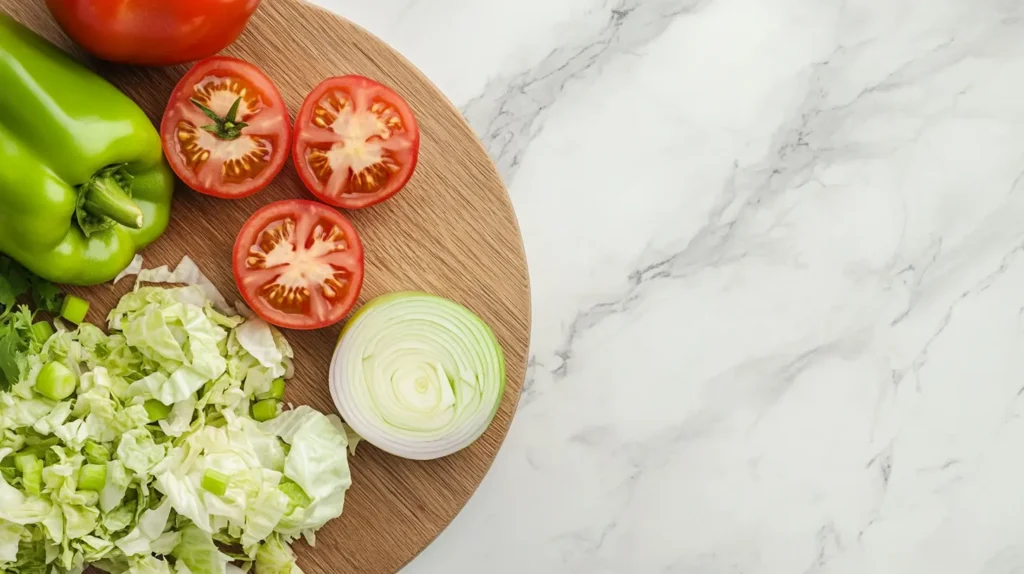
209, 113
15, 340
225, 128
46, 296
18, 278
16, 336
9, 371
233, 111
8, 294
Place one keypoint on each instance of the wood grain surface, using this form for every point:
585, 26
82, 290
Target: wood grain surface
452, 232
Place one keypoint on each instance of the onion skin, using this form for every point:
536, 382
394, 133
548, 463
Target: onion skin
417, 375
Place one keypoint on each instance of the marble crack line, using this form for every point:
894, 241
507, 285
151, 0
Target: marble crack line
508, 114
917, 274
779, 170
786, 165
828, 543
714, 234
981, 286
884, 462
707, 248
590, 539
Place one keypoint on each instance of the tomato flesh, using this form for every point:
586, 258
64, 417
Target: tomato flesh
299, 264
213, 164
356, 142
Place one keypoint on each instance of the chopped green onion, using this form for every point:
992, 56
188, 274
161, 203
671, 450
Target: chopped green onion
215, 482
295, 493
42, 331
156, 410
74, 309
92, 477
265, 410
32, 477
96, 453
55, 381
276, 390
23, 461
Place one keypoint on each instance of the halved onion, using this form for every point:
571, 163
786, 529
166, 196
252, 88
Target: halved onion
417, 375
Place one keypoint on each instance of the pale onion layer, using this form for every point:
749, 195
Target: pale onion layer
417, 375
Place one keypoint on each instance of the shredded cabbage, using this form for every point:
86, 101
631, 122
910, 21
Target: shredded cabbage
162, 399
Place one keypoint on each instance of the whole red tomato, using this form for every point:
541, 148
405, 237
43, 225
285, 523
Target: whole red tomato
153, 32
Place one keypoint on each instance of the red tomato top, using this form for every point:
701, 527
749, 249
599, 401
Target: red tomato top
153, 32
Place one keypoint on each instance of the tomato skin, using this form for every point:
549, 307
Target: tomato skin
179, 102
252, 232
153, 32
364, 91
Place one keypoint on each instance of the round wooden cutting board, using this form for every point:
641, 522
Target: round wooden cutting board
452, 232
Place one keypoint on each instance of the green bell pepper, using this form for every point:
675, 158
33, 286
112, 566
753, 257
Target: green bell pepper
83, 180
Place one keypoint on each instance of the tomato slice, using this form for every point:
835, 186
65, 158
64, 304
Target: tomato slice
356, 142
215, 151
299, 264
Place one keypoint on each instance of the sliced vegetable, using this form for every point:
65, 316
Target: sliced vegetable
74, 309
133, 268
89, 480
417, 375
313, 464
275, 557
155, 410
276, 390
23, 461
32, 477
92, 477
153, 32
186, 273
55, 381
215, 482
299, 264
356, 142
42, 331
226, 130
199, 553
96, 453
295, 493
266, 410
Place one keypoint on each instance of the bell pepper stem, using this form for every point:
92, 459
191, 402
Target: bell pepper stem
105, 198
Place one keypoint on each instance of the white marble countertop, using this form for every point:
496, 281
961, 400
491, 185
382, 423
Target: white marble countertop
777, 255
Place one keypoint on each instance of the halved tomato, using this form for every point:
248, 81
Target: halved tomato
225, 130
356, 142
299, 264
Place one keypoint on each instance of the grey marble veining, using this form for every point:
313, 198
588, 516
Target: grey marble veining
777, 256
